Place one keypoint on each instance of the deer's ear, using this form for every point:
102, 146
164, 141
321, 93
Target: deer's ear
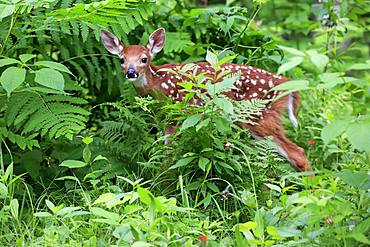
156, 40
111, 42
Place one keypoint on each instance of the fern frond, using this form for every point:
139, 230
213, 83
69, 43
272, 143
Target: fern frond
52, 115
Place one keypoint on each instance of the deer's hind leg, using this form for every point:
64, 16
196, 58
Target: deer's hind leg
271, 125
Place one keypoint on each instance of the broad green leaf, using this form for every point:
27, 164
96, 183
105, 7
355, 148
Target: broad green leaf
293, 62
50, 78
272, 231
6, 10
50, 205
295, 85
14, 208
182, 162
190, 122
225, 84
145, 195
12, 78
202, 124
222, 125
224, 104
87, 140
202, 163
273, 187
358, 134
8, 61
291, 50
53, 65
103, 198
226, 59
67, 210
330, 80
360, 66
3, 190
42, 214
360, 237
247, 226
332, 130
73, 164
211, 58
359, 179
99, 157
26, 57
319, 60
104, 213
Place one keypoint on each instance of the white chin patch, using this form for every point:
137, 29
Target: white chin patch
132, 79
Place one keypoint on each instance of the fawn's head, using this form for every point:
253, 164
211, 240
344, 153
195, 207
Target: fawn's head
135, 59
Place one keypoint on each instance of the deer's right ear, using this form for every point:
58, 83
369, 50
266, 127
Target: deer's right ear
111, 42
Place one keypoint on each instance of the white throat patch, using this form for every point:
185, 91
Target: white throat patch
140, 81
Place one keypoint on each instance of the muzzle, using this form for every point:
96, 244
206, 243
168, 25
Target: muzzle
132, 74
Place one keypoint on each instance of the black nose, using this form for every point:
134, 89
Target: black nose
131, 73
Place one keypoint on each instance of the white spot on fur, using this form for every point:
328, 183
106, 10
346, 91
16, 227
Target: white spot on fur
262, 81
255, 95
164, 85
254, 82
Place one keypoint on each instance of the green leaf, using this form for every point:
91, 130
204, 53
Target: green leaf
104, 213
50, 78
182, 162
50, 205
103, 198
247, 226
222, 125
358, 134
26, 57
8, 61
359, 179
293, 62
3, 190
145, 195
53, 65
319, 60
211, 58
73, 164
190, 122
360, 66
6, 10
291, 50
225, 84
332, 130
295, 85
14, 208
42, 214
225, 105
12, 78
360, 237
202, 163
202, 124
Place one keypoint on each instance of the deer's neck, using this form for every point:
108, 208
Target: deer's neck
145, 84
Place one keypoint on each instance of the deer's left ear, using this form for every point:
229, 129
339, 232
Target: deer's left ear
156, 40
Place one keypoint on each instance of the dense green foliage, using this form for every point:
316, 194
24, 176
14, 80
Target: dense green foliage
83, 160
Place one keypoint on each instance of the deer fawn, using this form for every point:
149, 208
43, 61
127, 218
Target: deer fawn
254, 83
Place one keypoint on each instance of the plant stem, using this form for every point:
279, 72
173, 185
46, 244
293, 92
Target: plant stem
12, 21
255, 12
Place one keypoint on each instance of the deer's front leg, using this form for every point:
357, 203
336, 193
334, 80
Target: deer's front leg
169, 130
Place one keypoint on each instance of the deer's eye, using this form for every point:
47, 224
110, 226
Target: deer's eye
144, 60
122, 60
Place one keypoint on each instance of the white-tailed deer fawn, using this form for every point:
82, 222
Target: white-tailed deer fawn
253, 83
